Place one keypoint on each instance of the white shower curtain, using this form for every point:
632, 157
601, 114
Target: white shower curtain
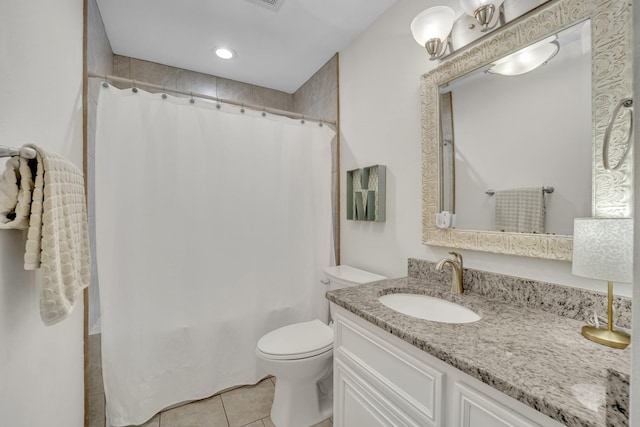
213, 227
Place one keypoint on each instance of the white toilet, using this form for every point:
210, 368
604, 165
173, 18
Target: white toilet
300, 356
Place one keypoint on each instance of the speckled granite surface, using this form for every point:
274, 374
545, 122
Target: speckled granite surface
564, 301
534, 356
618, 399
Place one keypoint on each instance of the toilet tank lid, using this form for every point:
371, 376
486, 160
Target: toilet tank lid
350, 274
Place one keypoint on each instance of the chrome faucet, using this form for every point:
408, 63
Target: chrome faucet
456, 271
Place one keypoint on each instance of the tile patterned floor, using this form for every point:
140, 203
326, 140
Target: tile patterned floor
247, 406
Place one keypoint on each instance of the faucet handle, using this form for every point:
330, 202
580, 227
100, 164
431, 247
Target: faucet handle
458, 257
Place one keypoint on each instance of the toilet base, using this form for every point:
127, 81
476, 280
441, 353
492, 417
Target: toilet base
299, 406
304, 381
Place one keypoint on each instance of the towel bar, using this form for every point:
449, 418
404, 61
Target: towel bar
26, 152
547, 190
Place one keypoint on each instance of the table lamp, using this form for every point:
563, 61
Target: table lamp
603, 249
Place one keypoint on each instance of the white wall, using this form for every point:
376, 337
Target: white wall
41, 368
380, 122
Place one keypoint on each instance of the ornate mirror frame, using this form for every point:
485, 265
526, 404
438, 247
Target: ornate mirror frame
611, 80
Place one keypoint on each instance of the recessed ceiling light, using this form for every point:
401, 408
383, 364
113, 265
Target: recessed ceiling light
225, 53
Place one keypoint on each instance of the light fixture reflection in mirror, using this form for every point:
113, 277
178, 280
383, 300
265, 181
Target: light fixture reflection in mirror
527, 59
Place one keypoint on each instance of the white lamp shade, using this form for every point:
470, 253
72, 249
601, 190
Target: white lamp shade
527, 59
603, 248
433, 23
470, 6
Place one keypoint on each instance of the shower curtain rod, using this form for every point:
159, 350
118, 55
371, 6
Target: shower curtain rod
289, 114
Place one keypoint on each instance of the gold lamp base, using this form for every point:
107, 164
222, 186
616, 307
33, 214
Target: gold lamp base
607, 336
615, 339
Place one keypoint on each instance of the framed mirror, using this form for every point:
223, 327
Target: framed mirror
595, 35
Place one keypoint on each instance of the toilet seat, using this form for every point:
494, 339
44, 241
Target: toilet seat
297, 341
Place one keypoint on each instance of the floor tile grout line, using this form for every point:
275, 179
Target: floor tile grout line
225, 410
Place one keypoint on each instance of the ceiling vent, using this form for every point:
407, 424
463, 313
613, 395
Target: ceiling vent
273, 5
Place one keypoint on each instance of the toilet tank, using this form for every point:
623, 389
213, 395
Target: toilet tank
342, 276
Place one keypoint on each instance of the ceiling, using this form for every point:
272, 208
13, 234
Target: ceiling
278, 47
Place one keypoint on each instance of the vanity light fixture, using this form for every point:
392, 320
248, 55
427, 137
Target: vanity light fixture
483, 11
225, 53
431, 29
603, 249
526, 59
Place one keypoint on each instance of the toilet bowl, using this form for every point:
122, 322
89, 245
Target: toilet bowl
300, 356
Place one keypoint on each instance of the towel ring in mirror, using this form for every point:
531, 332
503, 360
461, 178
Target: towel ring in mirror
628, 103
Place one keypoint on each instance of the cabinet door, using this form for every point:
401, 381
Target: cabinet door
358, 404
475, 409
414, 387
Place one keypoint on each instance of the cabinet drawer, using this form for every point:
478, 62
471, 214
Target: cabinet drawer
416, 383
358, 404
475, 409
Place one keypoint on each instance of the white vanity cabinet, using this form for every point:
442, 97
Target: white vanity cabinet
381, 380
377, 384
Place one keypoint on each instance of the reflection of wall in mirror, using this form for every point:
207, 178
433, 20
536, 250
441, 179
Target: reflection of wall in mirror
527, 131
447, 193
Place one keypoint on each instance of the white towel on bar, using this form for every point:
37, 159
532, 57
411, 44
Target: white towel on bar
58, 237
520, 210
16, 186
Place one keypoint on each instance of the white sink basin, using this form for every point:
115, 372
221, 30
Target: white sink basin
428, 308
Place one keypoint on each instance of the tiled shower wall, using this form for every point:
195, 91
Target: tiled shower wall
191, 81
318, 97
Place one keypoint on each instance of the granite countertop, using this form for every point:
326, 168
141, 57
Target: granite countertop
534, 356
